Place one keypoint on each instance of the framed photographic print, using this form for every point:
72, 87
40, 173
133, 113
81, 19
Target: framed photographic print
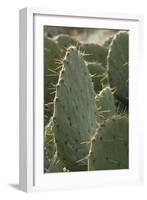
79, 99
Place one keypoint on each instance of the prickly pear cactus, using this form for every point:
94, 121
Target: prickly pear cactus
64, 41
97, 71
85, 122
52, 53
74, 112
94, 53
105, 104
117, 62
109, 148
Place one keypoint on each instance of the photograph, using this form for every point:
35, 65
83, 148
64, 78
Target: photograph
86, 99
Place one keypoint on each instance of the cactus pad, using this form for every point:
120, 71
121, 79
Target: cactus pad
51, 54
109, 148
97, 71
74, 111
105, 103
117, 62
94, 53
65, 41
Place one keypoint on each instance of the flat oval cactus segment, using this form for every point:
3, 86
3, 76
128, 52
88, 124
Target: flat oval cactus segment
97, 71
117, 62
52, 53
105, 104
110, 149
94, 53
74, 112
65, 41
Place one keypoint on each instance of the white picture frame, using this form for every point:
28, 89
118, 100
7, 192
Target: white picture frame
31, 175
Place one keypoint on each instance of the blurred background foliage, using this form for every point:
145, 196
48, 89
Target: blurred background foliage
88, 35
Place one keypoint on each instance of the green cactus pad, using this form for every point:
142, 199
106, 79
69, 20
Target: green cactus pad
97, 71
117, 62
105, 103
109, 148
51, 54
65, 41
94, 53
74, 112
